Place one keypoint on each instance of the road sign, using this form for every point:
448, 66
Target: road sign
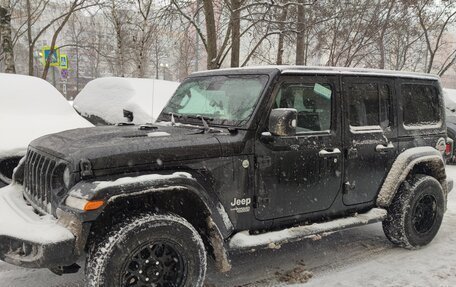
63, 61
46, 51
64, 73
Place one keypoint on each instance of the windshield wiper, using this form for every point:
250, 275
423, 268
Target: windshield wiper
204, 120
205, 124
173, 121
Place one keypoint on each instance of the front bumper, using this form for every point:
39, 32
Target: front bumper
28, 239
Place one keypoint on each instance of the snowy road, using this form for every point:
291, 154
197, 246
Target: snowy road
356, 257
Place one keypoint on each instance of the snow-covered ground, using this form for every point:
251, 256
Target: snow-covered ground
357, 257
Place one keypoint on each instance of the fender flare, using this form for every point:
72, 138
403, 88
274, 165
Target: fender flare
404, 164
219, 226
124, 187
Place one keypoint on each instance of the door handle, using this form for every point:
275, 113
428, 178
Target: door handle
329, 153
384, 148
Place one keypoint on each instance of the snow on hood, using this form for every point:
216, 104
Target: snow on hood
30, 108
106, 98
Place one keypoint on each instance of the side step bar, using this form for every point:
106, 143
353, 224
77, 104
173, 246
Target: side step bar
244, 241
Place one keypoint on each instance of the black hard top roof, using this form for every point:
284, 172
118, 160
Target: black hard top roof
271, 70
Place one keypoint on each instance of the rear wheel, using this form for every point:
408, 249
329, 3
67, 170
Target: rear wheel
416, 213
148, 250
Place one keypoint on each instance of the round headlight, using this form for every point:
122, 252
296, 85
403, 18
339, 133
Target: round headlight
66, 177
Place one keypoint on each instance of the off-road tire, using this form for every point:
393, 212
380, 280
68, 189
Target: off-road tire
405, 224
109, 256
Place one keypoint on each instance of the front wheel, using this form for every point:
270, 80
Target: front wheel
416, 213
148, 250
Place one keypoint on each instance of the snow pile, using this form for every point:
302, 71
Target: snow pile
18, 220
107, 98
29, 108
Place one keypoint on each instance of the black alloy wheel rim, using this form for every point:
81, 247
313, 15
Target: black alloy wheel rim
157, 264
424, 214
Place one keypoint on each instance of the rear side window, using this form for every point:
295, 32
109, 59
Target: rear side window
369, 104
420, 104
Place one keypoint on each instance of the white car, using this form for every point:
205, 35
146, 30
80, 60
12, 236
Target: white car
114, 100
30, 107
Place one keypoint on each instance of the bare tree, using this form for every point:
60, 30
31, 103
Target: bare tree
282, 33
300, 34
236, 32
434, 23
5, 36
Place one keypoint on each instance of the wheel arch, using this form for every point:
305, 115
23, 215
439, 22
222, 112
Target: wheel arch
417, 160
183, 196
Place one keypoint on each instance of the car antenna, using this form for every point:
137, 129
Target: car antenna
153, 94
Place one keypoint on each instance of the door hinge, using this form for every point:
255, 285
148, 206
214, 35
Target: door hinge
352, 153
263, 162
260, 201
349, 187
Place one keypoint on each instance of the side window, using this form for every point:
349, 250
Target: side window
312, 101
420, 104
369, 104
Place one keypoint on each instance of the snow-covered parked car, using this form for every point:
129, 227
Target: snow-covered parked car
113, 100
29, 108
450, 115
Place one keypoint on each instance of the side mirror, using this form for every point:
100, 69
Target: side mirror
282, 122
128, 115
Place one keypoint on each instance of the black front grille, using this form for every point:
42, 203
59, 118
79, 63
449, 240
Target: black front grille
38, 172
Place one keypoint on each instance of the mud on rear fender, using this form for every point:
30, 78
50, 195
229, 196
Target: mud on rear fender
404, 164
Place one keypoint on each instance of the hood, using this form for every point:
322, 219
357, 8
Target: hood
126, 146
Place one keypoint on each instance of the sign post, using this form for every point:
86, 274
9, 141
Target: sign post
64, 77
57, 60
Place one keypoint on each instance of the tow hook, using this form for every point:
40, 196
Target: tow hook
60, 270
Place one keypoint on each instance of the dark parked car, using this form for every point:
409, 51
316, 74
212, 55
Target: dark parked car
450, 103
239, 159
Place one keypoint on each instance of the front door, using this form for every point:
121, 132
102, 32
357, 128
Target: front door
370, 141
302, 173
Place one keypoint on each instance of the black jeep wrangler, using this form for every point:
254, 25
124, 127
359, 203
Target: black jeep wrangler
239, 159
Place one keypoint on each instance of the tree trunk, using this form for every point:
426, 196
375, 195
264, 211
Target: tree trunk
236, 32
77, 68
381, 40
280, 48
30, 47
300, 35
7, 44
120, 54
211, 35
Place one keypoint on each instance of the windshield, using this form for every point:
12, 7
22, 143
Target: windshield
225, 100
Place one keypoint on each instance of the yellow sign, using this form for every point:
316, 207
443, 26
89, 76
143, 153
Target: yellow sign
63, 61
46, 51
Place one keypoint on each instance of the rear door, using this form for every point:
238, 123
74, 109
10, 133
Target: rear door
370, 136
